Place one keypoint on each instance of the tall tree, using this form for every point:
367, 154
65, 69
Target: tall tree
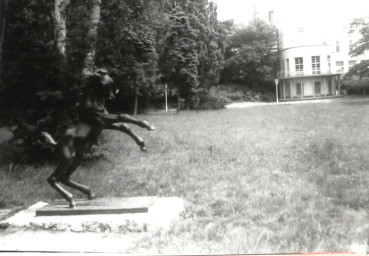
250, 54
357, 78
360, 70
60, 20
127, 45
180, 61
362, 45
210, 44
31, 91
3, 14
89, 60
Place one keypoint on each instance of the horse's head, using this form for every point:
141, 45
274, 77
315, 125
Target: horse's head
100, 83
107, 84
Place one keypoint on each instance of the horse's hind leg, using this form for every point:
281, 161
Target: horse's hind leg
54, 180
126, 129
65, 179
111, 118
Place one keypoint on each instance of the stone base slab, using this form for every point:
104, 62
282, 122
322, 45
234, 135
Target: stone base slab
117, 205
160, 215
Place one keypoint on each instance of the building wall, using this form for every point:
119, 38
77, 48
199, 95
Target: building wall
325, 53
304, 87
300, 38
343, 43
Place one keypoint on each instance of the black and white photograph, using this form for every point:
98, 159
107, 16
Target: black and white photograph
184, 127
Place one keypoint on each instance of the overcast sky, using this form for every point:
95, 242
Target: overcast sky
242, 10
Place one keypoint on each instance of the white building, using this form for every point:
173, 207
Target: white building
313, 56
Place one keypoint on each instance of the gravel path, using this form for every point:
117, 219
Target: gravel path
297, 102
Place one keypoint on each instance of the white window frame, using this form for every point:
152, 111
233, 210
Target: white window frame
340, 68
315, 64
299, 66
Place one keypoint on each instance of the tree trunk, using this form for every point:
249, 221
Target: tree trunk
178, 100
92, 35
60, 19
136, 101
3, 22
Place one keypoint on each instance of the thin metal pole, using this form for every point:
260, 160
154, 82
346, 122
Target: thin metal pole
166, 98
276, 90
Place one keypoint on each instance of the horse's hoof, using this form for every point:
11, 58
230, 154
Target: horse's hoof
149, 126
91, 196
72, 205
144, 149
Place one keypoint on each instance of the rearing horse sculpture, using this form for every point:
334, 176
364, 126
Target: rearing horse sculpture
80, 137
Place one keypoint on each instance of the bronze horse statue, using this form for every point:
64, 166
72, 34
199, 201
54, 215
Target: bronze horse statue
77, 139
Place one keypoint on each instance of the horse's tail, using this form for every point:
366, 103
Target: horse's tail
49, 138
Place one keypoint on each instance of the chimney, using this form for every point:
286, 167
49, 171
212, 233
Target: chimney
271, 17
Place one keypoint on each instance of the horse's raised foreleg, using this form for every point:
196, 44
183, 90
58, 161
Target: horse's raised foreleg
112, 118
65, 179
126, 129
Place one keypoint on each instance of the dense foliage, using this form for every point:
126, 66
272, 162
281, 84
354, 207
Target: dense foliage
144, 44
357, 79
38, 91
250, 55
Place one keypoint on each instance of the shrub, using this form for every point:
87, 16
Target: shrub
354, 87
214, 99
9, 153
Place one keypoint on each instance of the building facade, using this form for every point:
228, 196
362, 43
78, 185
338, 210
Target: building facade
306, 72
313, 59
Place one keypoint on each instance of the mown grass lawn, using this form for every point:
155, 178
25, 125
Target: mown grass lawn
268, 179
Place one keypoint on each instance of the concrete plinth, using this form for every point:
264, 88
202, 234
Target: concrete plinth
102, 215
117, 205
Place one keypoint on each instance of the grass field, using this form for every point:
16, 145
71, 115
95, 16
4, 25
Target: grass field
268, 179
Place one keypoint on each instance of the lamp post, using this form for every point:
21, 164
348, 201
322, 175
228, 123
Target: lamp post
163, 80
166, 97
276, 88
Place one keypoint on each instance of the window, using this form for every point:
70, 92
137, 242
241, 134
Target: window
317, 88
338, 48
300, 30
339, 65
315, 60
288, 67
299, 65
329, 62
